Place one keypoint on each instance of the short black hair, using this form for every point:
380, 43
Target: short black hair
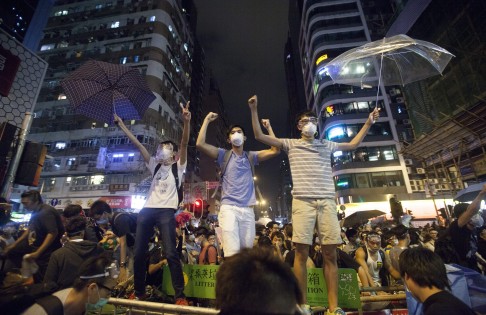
424, 266
307, 113
459, 209
230, 128
99, 207
400, 231
351, 233
72, 210
174, 145
33, 195
91, 267
75, 225
255, 281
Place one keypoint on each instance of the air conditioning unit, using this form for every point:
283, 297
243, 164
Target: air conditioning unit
406, 121
409, 170
420, 170
408, 162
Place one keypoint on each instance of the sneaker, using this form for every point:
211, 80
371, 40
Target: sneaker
304, 309
337, 311
182, 301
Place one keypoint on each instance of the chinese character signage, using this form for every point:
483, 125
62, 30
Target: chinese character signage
118, 187
118, 202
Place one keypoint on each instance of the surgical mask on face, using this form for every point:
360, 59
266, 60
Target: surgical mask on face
395, 242
164, 154
309, 129
236, 139
477, 221
358, 240
98, 305
102, 221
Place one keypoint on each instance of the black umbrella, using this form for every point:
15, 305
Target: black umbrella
361, 217
99, 89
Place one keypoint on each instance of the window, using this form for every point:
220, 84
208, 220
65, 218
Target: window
60, 145
97, 180
62, 12
136, 58
71, 161
47, 47
117, 158
123, 60
131, 157
152, 18
61, 97
115, 24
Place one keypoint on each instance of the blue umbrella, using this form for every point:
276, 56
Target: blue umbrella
469, 194
99, 89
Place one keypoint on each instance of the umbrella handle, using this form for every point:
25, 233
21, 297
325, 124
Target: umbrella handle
379, 82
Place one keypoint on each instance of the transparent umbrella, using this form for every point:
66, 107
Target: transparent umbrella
399, 59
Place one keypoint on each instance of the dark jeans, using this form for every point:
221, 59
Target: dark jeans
164, 219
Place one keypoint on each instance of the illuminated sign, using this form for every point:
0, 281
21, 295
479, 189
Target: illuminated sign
321, 59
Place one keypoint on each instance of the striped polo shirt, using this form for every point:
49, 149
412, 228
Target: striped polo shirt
310, 165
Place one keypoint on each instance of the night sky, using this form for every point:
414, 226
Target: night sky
244, 43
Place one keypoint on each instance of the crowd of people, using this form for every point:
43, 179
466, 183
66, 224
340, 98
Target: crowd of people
84, 256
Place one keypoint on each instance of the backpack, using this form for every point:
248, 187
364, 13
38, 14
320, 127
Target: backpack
180, 191
133, 222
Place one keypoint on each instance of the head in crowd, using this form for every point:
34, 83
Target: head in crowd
75, 227
482, 233
373, 242
211, 238
95, 283
265, 241
99, 209
257, 237
288, 230
31, 200
236, 135
389, 238
166, 152
352, 235
72, 210
273, 226
401, 232
307, 124
422, 268
277, 237
256, 282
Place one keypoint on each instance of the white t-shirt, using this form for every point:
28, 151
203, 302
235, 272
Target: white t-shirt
36, 309
163, 192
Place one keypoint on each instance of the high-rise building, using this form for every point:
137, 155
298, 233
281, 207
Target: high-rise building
374, 172
88, 159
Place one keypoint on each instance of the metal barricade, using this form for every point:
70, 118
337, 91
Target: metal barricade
143, 307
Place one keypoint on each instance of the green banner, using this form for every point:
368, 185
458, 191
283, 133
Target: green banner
200, 282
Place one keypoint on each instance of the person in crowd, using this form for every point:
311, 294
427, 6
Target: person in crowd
236, 213
353, 241
41, 238
287, 231
272, 227
157, 261
313, 193
65, 261
89, 293
162, 201
482, 249
209, 252
462, 233
424, 274
262, 283
389, 240
97, 214
72, 210
430, 238
344, 260
374, 261
277, 238
403, 237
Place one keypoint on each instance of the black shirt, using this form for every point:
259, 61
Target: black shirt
125, 224
444, 302
42, 222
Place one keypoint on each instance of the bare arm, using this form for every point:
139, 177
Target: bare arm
257, 130
360, 259
472, 209
18, 241
123, 258
353, 144
186, 117
133, 139
273, 151
201, 144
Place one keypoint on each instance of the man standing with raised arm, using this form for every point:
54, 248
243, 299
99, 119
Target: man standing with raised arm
236, 216
313, 193
160, 206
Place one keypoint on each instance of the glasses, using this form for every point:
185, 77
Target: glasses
305, 121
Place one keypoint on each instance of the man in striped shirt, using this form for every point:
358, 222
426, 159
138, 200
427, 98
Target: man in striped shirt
313, 193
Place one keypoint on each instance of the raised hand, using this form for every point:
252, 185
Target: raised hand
374, 115
186, 114
253, 101
211, 116
266, 123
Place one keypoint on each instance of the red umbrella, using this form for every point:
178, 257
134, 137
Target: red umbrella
99, 89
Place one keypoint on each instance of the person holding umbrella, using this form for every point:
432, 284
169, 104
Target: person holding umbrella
313, 193
160, 206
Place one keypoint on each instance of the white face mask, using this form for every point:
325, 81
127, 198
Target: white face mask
309, 129
395, 242
164, 155
236, 139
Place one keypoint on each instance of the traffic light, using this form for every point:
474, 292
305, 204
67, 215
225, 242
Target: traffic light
198, 207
